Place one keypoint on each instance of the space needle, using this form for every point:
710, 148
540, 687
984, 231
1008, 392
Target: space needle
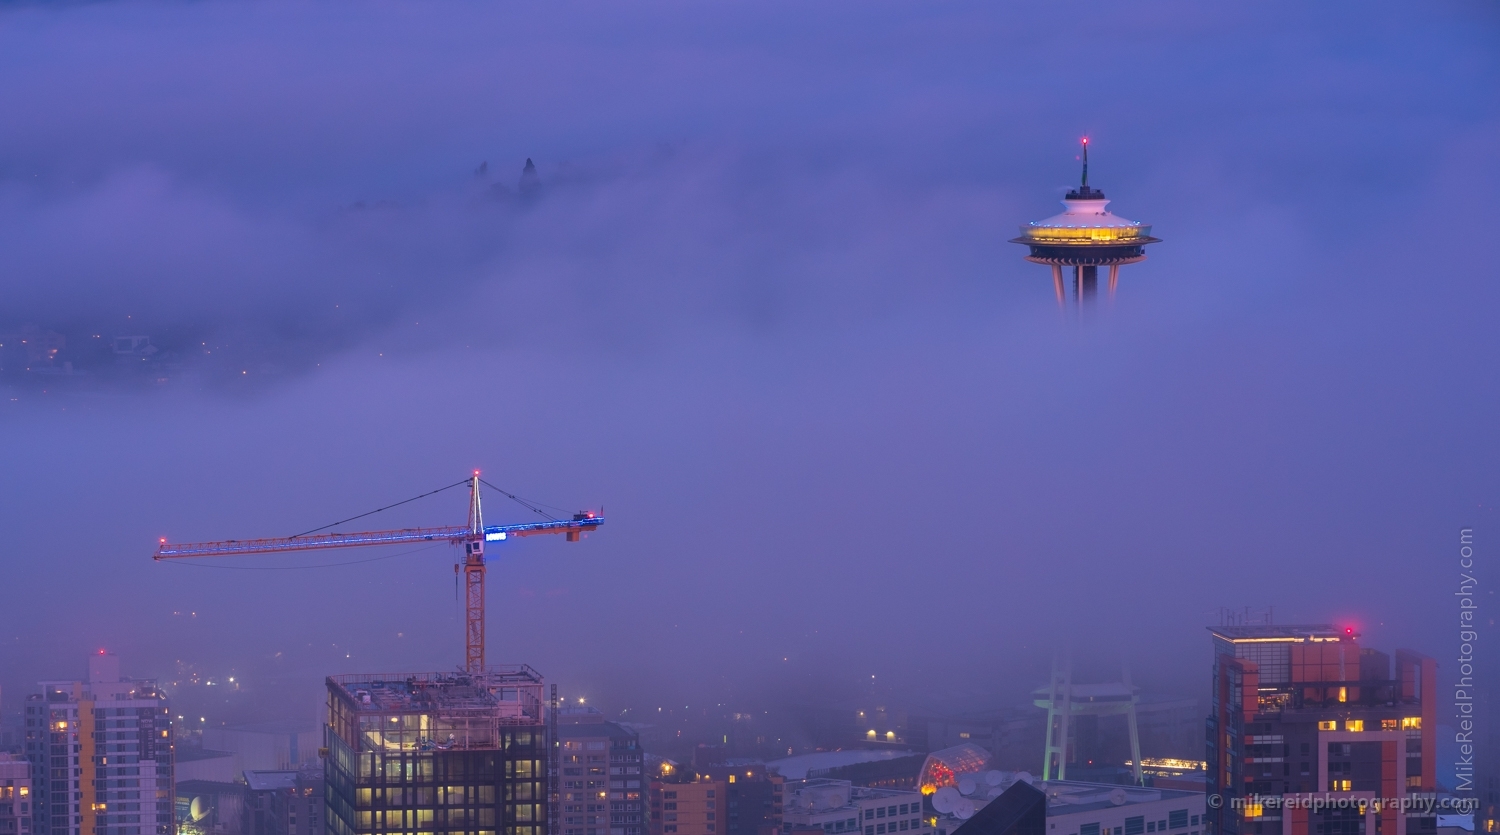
1085, 237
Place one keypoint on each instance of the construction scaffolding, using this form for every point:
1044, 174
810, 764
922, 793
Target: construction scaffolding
438, 753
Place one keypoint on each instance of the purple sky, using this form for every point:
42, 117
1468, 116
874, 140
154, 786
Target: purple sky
764, 312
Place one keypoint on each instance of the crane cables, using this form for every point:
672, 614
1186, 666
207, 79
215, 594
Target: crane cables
535, 507
381, 509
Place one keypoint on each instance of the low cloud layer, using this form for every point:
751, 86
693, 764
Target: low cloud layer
281, 184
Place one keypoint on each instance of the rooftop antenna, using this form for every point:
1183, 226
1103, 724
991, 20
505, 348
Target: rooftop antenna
1085, 183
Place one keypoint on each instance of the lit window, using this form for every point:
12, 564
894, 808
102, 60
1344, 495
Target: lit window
1328, 726
1354, 724
1411, 723
1390, 724
1343, 694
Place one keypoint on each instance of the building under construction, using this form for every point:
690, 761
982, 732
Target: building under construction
462, 753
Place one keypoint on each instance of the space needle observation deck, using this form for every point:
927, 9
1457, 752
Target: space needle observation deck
1086, 236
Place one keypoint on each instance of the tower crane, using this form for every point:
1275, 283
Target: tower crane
472, 536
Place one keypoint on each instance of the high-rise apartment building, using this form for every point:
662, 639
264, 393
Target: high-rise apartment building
15, 795
101, 752
601, 788
435, 753
1304, 712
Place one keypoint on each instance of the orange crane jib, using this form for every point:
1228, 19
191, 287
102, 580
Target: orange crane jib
473, 536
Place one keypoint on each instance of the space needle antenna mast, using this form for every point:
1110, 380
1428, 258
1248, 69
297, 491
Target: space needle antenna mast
1085, 164
1086, 236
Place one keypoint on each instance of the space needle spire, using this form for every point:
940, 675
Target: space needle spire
1085, 184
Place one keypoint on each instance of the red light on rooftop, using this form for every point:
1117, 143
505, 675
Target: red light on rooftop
1348, 630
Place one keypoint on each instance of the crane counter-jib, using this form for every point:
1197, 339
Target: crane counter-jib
318, 542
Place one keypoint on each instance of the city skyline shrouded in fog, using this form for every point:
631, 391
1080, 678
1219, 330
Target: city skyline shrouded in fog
762, 310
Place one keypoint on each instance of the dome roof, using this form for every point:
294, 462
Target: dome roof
942, 768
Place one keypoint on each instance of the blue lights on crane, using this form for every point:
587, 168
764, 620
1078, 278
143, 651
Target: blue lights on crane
318, 542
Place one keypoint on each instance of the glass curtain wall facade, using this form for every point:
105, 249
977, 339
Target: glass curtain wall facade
436, 753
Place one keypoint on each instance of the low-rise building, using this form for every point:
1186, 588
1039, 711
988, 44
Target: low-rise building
838, 806
208, 807
752, 797
15, 795
1077, 808
284, 802
1020, 810
690, 808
